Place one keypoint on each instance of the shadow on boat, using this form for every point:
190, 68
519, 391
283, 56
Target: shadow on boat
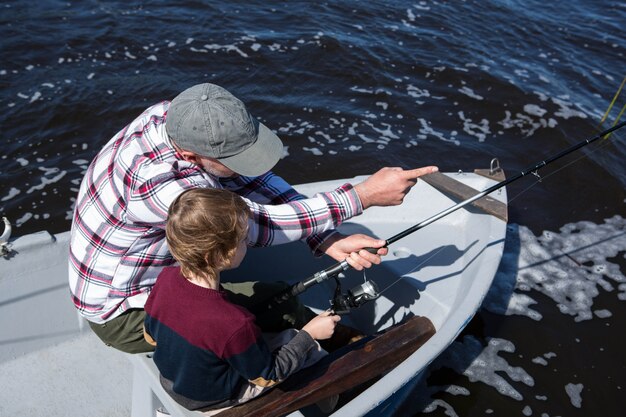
398, 277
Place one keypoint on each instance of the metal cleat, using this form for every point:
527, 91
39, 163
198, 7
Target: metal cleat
4, 239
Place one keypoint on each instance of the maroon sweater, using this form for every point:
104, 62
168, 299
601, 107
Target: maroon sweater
208, 347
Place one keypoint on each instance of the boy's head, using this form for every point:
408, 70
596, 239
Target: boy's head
205, 228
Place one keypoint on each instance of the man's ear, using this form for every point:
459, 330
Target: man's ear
189, 156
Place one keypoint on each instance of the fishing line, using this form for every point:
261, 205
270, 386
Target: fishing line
602, 145
408, 272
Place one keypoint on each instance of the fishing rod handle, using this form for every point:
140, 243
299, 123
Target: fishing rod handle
290, 292
302, 286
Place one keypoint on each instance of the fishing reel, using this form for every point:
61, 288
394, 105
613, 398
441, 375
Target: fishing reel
354, 298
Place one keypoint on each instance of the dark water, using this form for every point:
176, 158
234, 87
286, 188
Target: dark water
354, 86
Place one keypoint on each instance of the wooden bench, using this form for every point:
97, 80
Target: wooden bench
458, 190
344, 369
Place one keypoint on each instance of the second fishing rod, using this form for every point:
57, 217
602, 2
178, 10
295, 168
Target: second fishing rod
365, 292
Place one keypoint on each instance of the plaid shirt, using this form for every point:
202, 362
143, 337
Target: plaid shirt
118, 246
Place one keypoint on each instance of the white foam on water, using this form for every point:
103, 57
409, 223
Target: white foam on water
46, 180
525, 123
485, 364
574, 392
416, 92
227, 48
603, 314
26, 217
566, 111
427, 130
534, 110
12, 193
382, 104
365, 138
434, 405
361, 90
36, 96
285, 129
457, 390
385, 132
325, 136
469, 92
314, 151
568, 267
479, 131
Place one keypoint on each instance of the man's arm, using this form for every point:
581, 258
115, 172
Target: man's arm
268, 188
272, 189
387, 187
300, 219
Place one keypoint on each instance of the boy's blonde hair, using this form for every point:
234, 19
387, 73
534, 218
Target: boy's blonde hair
204, 228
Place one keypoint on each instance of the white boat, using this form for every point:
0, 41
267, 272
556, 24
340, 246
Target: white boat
50, 359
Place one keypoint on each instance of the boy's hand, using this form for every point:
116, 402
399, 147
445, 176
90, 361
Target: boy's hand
323, 326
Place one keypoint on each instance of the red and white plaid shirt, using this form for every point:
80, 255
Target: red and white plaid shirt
118, 245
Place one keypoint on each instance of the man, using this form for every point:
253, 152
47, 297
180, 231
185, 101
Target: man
204, 138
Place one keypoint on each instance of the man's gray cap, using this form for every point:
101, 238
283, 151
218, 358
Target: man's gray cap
209, 121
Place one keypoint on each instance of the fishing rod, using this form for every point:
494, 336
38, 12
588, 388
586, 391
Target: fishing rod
368, 290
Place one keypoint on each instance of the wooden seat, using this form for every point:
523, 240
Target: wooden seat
340, 371
458, 190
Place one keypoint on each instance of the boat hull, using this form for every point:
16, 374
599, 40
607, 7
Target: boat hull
441, 272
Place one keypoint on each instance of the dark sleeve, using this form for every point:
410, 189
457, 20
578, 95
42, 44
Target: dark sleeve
281, 215
256, 363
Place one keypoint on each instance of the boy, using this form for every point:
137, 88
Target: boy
210, 353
